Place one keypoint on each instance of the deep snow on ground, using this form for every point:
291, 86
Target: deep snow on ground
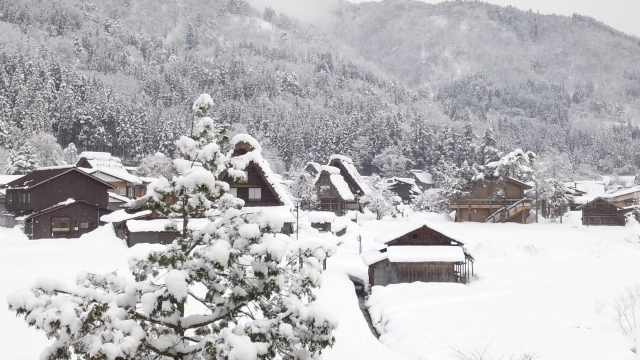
546, 289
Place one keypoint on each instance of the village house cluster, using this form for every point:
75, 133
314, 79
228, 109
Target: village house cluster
68, 201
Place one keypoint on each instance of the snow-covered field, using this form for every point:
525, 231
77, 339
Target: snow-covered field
545, 289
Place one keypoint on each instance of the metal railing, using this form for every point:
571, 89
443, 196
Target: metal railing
510, 210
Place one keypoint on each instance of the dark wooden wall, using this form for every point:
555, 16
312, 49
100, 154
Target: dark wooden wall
386, 273
72, 185
601, 212
423, 236
78, 213
255, 180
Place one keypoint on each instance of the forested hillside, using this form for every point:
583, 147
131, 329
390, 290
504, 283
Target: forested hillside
120, 75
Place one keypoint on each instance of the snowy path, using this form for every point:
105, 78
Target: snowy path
353, 337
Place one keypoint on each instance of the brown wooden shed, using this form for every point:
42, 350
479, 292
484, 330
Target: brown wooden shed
601, 211
418, 252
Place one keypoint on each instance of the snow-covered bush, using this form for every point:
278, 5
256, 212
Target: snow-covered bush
46, 150
431, 200
380, 199
156, 165
224, 292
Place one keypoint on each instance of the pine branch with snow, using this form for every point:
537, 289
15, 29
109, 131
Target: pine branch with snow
224, 292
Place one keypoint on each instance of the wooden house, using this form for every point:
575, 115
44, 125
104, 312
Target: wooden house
350, 174
110, 169
58, 202
67, 219
46, 187
405, 188
321, 220
481, 207
625, 197
334, 194
418, 252
601, 211
258, 186
5, 179
422, 178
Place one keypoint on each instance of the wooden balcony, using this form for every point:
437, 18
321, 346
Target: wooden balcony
480, 203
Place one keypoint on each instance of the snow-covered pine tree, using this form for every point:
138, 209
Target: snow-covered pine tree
380, 198
488, 151
516, 164
551, 173
223, 292
301, 185
21, 161
70, 154
391, 162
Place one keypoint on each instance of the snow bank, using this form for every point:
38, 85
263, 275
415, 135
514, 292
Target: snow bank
122, 215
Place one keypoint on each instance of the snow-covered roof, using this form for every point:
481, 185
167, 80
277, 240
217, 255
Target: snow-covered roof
103, 160
248, 139
341, 187
321, 216
97, 172
405, 227
56, 207
621, 195
352, 172
423, 176
5, 179
118, 198
394, 181
122, 215
592, 190
425, 254
255, 157
42, 175
373, 256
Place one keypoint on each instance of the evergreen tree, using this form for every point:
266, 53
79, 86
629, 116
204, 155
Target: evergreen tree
21, 162
488, 151
70, 154
46, 150
223, 292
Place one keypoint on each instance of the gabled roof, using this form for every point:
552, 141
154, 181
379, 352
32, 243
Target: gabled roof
113, 173
351, 172
337, 181
42, 175
398, 181
423, 176
623, 193
599, 198
101, 160
253, 156
406, 227
61, 205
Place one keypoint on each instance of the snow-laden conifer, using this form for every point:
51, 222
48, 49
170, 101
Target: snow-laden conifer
223, 292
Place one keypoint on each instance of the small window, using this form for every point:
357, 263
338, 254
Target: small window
84, 225
234, 192
131, 192
255, 193
60, 224
9, 198
29, 198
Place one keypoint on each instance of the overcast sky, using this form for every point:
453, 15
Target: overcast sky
623, 15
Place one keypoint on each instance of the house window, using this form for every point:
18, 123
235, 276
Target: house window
24, 198
234, 192
131, 192
120, 191
60, 224
255, 193
9, 198
325, 191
